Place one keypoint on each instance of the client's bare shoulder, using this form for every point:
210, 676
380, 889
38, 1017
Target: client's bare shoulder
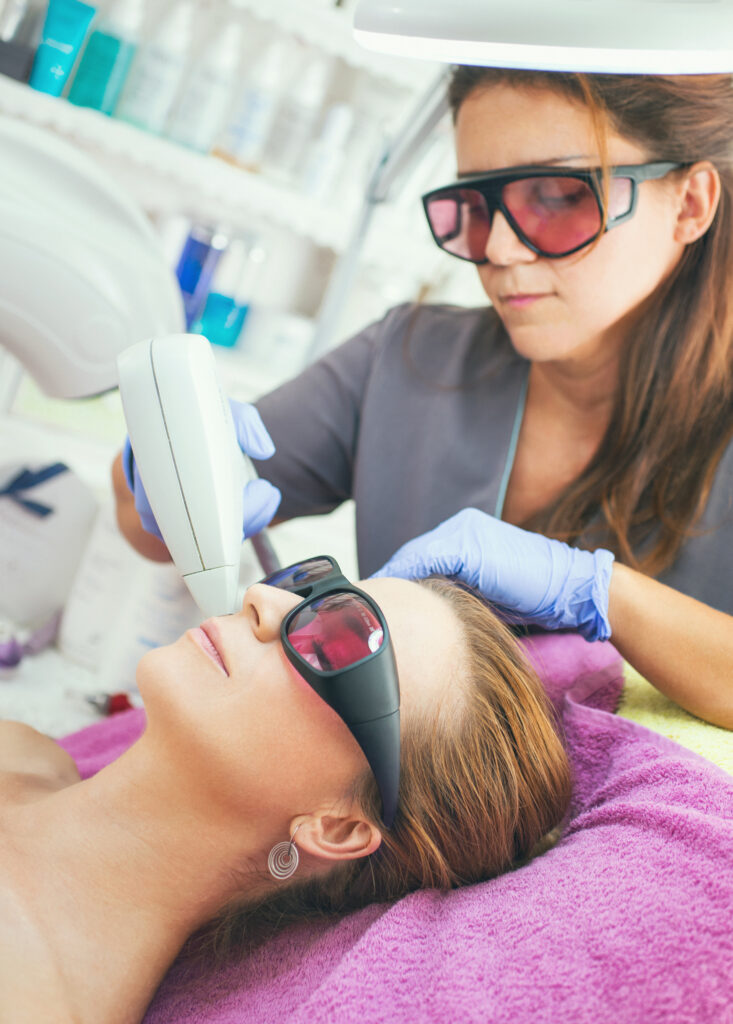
31, 764
32, 985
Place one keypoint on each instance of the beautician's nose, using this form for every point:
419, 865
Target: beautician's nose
503, 247
265, 607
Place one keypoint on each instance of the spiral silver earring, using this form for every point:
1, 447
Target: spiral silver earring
283, 859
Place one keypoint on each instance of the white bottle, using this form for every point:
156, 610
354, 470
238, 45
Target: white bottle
297, 117
205, 97
157, 69
326, 154
121, 605
243, 139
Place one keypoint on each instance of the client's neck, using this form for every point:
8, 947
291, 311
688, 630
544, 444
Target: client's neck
126, 864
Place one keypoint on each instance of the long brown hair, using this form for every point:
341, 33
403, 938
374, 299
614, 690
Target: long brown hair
483, 782
673, 417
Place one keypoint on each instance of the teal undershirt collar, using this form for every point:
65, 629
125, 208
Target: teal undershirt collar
512, 451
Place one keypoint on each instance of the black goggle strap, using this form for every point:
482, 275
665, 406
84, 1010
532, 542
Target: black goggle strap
380, 742
369, 705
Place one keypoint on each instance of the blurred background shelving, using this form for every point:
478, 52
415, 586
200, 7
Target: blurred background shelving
302, 236
296, 214
328, 27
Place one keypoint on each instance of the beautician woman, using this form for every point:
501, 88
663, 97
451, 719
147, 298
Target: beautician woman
591, 402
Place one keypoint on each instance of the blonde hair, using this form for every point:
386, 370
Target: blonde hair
483, 782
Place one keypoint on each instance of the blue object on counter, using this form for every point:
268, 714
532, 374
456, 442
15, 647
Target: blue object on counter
64, 31
13, 648
222, 320
200, 255
233, 287
102, 72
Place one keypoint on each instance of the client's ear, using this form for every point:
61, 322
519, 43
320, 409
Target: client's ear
331, 836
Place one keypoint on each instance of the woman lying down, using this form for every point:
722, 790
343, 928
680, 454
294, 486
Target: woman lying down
276, 777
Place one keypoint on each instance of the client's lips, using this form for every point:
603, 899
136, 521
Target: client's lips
207, 637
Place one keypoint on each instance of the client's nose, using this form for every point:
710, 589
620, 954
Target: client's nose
265, 607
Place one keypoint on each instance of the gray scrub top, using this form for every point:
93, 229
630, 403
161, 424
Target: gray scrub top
416, 418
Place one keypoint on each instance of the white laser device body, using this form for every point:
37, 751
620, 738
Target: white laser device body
82, 272
185, 446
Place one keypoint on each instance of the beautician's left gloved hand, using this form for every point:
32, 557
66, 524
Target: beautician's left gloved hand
543, 582
261, 498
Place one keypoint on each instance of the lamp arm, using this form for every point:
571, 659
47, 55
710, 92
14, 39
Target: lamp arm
397, 156
404, 149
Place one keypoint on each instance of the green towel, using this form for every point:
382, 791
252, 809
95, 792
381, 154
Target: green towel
642, 703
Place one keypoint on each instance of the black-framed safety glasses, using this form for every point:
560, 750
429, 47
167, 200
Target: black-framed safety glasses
337, 640
554, 211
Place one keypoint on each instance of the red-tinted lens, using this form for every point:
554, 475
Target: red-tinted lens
303, 574
460, 221
556, 214
335, 631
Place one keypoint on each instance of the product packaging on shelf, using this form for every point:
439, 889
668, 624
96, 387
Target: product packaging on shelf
64, 31
206, 95
120, 606
107, 57
326, 154
232, 289
157, 70
198, 260
297, 118
253, 112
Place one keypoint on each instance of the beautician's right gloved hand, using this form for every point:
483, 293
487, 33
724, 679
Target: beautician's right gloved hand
261, 498
541, 581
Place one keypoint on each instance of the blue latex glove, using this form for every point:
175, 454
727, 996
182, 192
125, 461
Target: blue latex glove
541, 581
261, 498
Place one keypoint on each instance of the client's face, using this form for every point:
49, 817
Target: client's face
239, 720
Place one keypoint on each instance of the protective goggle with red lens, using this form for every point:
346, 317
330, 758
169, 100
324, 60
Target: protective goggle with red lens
337, 640
554, 211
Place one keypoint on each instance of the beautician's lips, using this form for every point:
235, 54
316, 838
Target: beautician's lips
207, 637
520, 299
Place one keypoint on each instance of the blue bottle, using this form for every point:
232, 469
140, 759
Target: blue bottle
199, 257
107, 57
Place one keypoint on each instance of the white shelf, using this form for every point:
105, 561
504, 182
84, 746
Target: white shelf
165, 178
163, 175
330, 29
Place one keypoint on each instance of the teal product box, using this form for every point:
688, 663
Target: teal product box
102, 72
64, 31
222, 320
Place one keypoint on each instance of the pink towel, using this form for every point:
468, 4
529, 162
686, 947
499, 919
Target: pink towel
626, 921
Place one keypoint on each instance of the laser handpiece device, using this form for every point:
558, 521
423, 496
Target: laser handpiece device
185, 447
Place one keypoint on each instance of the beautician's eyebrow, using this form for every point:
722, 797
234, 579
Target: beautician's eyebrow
534, 163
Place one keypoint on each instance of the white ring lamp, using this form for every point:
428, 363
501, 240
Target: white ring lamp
601, 36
